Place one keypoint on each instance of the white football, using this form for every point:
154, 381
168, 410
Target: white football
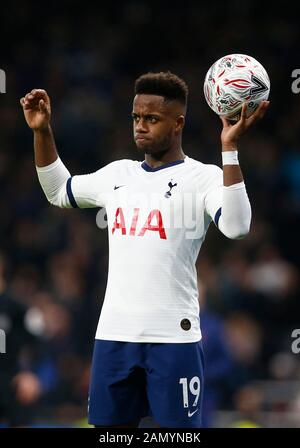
233, 80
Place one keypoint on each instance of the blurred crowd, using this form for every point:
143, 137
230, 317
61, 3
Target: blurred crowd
53, 263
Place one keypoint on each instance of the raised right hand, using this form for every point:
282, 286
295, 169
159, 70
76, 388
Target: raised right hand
37, 109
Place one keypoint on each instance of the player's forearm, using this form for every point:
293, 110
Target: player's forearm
52, 173
45, 151
232, 174
235, 218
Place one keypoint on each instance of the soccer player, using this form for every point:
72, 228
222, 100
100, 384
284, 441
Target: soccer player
148, 355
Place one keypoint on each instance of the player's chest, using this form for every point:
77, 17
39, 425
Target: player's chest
166, 203
163, 192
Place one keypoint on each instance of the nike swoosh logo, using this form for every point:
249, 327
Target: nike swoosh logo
192, 413
119, 186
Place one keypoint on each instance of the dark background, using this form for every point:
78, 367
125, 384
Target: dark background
87, 57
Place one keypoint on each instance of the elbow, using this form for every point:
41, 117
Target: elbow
238, 232
236, 226
53, 201
57, 201
237, 235
52, 197
57, 197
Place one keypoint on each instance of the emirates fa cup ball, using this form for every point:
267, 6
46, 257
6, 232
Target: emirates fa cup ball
233, 80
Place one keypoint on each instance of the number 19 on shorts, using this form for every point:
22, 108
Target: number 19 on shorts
192, 386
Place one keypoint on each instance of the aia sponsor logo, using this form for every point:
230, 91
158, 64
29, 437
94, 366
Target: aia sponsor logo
153, 223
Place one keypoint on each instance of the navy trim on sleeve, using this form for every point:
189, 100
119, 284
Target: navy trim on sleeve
70, 193
217, 216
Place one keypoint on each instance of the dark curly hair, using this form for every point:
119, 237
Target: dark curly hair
165, 84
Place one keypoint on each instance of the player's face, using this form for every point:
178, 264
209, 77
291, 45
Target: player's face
156, 123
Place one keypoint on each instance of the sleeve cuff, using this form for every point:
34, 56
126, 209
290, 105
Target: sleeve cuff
53, 165
70, 193
237, 186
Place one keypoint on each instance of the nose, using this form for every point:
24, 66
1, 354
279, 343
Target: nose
141, 127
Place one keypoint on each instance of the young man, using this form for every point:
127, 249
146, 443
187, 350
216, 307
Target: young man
148, 355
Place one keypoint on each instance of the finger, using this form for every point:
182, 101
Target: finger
29, 102
243, 112
264, 106
41, 93
36, 94
42, 106
259, 113
262, 109
26, 102
29, 97
38, 91
226, 123
32, 98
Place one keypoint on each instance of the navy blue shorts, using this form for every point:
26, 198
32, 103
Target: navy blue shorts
131, 380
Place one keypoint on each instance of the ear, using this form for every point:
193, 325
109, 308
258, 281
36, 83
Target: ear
180, 121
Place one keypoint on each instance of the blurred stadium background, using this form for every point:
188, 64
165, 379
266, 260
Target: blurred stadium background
54, 262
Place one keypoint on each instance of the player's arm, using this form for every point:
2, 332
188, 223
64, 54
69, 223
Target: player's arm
51, 171
228, 204
59, 187
37, 112
229, 138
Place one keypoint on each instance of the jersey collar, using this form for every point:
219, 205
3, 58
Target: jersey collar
147, 167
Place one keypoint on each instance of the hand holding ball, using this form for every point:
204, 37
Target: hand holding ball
233, 80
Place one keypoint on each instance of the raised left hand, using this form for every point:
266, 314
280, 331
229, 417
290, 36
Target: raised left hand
232, 132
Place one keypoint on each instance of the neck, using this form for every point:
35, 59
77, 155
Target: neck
160, 158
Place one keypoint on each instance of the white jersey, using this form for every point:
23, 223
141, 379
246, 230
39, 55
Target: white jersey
157, 220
